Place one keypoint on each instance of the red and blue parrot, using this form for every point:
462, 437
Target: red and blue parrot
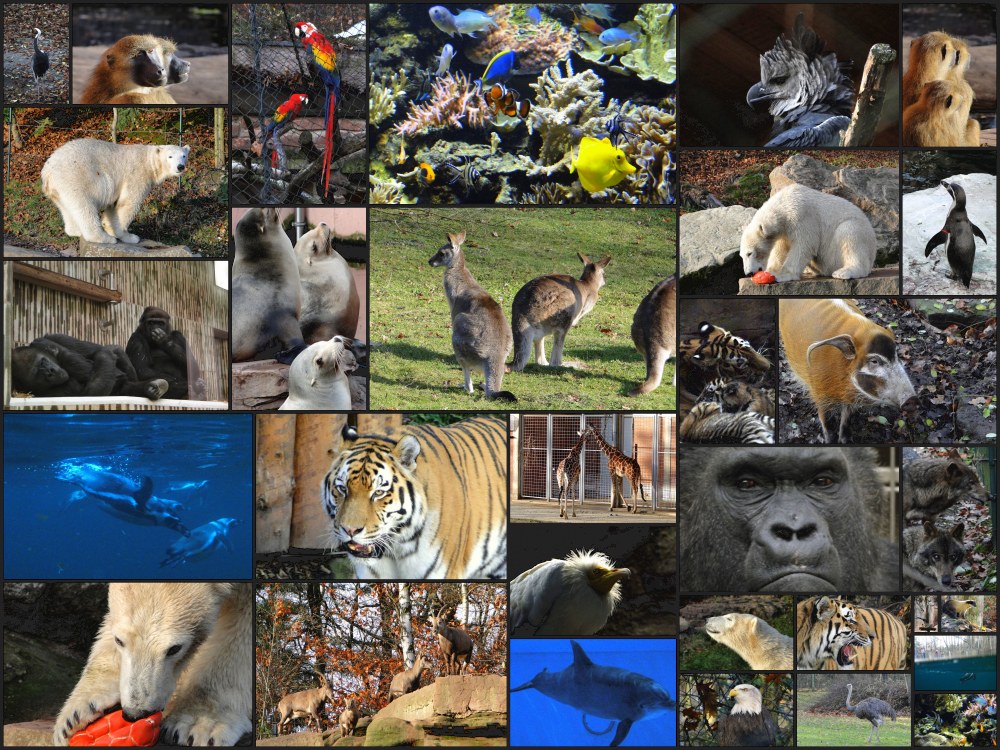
282, 119
325, 61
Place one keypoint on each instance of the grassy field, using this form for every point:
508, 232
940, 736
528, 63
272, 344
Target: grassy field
413, 365
844, 730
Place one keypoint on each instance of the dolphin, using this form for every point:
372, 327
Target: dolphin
201, 543
607, 692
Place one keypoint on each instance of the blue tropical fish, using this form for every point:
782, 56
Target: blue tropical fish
616, 36
499, 69
534, 15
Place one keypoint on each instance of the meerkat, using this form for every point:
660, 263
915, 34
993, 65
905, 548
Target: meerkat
938, 56
938, 118
135, 70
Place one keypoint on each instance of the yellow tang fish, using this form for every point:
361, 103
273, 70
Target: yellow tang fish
600, 164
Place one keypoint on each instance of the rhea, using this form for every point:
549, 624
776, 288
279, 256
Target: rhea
39, 61
874, 710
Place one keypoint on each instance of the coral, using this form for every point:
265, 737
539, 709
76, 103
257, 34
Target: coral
656, 134
655, 56
567, 107
382, 96
549, 193
537, 46
454, 98
387, 191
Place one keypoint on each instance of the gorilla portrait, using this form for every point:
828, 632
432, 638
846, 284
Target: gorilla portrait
158, 351
60, 365
784, 519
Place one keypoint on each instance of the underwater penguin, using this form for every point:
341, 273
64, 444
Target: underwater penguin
958, 236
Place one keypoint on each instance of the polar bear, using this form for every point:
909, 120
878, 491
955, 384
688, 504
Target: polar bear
330, 301
99, 186
799, 227
182, 648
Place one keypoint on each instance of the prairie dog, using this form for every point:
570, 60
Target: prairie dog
940, 117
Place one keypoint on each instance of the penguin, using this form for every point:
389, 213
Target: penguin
958, 236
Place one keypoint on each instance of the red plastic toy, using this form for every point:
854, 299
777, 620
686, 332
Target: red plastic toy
114, 731
763, 277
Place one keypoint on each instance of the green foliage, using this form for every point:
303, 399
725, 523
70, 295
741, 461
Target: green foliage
442, 419
750, 189
42, 126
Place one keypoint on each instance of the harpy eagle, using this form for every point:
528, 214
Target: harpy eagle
805, 90
749, 724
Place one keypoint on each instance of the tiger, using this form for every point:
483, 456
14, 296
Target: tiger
713, 353
428, 504
835, 634
735, 395
708, 423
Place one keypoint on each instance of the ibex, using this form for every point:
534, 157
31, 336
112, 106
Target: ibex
455, 645
553, 304
305, 703
842, 357
408, 680
480, 334
348, 718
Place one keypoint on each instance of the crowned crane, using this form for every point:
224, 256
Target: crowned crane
39, 61
874, 710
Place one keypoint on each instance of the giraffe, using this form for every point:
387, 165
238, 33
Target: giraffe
621, 466
568, 475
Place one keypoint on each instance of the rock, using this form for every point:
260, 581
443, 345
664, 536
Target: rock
924, 213
263, 384
881, 282
388, 731
711, 239
146, 249
28, 734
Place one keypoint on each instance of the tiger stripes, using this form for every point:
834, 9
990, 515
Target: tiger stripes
428, 504
835, 634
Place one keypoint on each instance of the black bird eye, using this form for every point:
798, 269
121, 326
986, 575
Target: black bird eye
778, 80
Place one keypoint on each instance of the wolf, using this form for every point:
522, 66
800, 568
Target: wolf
932, 485
185, 649
933, 554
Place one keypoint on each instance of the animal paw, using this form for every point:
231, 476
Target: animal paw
101, 239
199, 729
156, 388
81, 711
130, 238
845, 273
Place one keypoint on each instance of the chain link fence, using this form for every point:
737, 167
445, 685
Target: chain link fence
269, 66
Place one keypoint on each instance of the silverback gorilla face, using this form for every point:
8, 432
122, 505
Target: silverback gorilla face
783, 519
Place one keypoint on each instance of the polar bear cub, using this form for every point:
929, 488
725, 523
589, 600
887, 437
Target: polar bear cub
799, 227
99, 187
182, 648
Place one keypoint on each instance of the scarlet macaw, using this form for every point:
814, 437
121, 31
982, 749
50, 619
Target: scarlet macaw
282, 119
325, 59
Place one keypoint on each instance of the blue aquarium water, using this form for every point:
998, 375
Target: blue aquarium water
947, 674
536, 719
200, 466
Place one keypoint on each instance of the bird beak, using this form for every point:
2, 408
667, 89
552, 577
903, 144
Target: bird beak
758, 94
603, 579
732, 692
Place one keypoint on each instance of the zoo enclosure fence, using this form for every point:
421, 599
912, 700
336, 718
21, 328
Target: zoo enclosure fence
543, 440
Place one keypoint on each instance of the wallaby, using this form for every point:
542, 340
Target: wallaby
654, 333
553, 304
479, 331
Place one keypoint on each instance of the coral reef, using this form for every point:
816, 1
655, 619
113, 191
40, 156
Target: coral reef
567, 107
655, 56
382, 95
537, 46
454, 98
656, 134
387, 191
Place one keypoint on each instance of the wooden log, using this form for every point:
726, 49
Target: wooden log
62, 283
317, 441
868, 107
275, 451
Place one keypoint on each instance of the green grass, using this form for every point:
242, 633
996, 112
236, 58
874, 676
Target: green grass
412, 362
845, 729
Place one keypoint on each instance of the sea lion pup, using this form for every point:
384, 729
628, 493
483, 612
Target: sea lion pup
266, 294
317, 378
958, 236
135, 70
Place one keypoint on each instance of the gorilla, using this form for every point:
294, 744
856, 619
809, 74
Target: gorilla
158, 351
784, 519
60, 365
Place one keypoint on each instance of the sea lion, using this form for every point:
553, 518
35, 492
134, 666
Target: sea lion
201, 543
266, 295
317, 378
123, 497
958, 236
330, 302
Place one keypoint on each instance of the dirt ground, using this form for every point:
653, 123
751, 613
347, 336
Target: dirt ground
208, 82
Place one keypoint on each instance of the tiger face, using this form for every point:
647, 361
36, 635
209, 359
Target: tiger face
829, 630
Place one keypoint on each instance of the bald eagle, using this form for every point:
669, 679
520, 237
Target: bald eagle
575, 596
805, 90
749, 724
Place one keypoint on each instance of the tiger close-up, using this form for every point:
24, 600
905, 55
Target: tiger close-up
834, 634
717, 353
428, 503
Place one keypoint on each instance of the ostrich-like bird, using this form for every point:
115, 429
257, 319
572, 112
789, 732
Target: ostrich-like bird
39, 61
805, 90
749, 724
575, 596
874, 710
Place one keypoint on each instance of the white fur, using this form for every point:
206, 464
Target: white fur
799, 227
99, 187
317, 378
205, 689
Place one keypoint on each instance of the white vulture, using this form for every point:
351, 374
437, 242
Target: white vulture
575, 596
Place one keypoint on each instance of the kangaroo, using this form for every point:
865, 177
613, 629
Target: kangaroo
479, 331
654, 333
553, 304
932, 554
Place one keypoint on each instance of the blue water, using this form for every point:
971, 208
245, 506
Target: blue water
947, 673
46, 537
538, 720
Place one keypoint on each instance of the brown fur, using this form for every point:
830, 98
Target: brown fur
568, 476
654, 332
408, 680
348, 718
932, 485
940, 117
111, 81
620, 467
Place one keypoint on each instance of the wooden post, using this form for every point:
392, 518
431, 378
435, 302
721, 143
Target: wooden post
275, 451
868, 107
